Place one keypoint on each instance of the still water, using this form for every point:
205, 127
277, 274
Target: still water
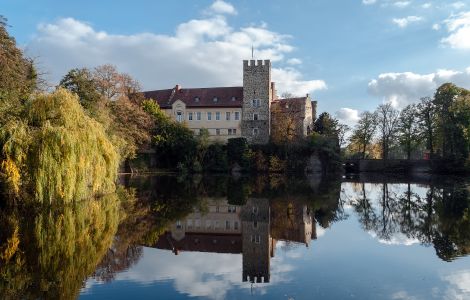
164, 237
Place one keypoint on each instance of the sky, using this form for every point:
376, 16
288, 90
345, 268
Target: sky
349, 55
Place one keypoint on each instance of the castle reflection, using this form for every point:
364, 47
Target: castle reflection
252, 230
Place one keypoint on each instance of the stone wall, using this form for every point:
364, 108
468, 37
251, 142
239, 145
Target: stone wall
256, 85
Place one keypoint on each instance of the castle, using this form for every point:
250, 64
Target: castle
252, 111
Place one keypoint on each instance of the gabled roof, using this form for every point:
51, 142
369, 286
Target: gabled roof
193, 242
198, 97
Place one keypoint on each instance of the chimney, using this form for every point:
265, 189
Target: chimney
178, 87
273, 91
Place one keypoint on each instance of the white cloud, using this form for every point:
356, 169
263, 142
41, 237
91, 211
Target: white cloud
459, 285
458, 27
436, 26
368, 2
426, 5
222, 7
458, 5
397, 239
407, 87
401, 4
294, 61
347, 116
404, 22
201, 53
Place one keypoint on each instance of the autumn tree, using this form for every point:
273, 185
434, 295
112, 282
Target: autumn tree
18, 76
364, 131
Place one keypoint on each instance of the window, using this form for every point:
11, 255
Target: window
189, 223
196, 99
179, 116
255, 131
231, 131
178, 225
227, 225
208, 224
227, 116
217, 116
217, 208
255, 117
198, 116
255, 224
232, 209
234, 131
255, 239
234, 98
217, 131
216, 99
237, 116
216, 224
255, 210
209, 116
190, 116
198, 223
256, 103
235, 225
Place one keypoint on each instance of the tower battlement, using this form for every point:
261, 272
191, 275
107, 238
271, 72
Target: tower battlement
256, 63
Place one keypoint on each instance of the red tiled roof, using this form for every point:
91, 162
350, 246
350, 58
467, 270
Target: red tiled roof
216, 243
224, 95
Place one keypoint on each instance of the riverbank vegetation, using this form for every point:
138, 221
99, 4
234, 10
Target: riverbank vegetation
435, 128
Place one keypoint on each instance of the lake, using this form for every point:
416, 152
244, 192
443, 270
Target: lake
265, 237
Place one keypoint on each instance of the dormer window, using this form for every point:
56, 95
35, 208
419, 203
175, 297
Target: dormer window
216, 99
196, 99
234, 98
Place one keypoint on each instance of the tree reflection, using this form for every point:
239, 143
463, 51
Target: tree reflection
48, 253
439, 216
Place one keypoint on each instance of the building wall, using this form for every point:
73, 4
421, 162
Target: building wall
220, 218
256, 86
219, 130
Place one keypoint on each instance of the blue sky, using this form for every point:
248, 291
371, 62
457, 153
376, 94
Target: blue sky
351, 55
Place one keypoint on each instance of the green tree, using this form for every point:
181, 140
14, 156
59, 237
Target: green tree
408, 130
387, 122
426, 115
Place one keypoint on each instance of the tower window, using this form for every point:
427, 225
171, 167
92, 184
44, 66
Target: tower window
255, 117
255, 131
256, 103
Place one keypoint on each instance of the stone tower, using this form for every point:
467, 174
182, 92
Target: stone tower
257, 244
257, 97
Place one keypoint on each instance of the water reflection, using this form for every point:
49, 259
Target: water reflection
213, 235
437, 214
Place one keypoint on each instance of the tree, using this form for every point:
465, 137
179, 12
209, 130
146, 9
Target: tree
426, 115
81, 82
450, 134
18, 77
364, 131
408, 131
387, 117
343, 130
325, 124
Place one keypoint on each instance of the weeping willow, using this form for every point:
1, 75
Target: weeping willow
55, 153
51, 254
